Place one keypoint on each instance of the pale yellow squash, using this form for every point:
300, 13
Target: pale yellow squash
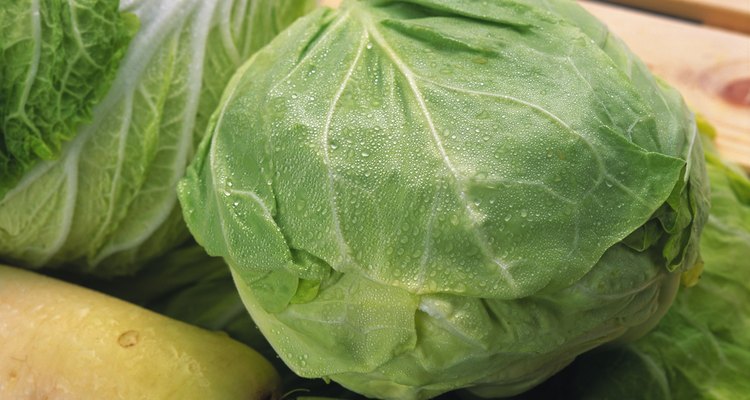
61, 341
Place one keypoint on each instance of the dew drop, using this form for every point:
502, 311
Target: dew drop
484, 114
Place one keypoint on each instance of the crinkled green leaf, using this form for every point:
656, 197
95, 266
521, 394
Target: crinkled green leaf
109, 201
57, 60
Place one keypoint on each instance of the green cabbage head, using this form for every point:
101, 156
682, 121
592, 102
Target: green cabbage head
101, 114
422, 195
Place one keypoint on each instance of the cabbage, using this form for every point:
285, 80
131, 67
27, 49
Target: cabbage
107, 201
419, 196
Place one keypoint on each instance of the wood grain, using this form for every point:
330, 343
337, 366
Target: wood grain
728, 14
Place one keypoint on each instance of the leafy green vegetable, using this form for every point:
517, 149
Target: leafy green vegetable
50, 53
108, 201
701, 349
418, 196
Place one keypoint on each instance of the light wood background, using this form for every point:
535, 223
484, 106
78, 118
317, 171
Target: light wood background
727, 14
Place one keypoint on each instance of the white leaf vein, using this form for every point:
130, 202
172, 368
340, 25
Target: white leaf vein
343, 247
255, 198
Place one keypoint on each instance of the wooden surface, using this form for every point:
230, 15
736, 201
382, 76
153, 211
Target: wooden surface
710, 67
728, 14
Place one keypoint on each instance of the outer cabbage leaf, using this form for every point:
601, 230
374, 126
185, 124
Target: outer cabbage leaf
51, 52
109, 201
701, 349
417, 196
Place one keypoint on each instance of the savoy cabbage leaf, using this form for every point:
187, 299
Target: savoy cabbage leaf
57, 60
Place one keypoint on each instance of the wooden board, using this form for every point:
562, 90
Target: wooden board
711, 68
728, 14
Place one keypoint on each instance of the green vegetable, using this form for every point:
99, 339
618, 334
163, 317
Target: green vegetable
108, 200
418, 196
63, 341
701, 349
50, 53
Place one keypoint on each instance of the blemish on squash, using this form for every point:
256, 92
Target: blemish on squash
128, 339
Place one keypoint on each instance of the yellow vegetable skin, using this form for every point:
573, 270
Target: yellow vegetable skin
61, 341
